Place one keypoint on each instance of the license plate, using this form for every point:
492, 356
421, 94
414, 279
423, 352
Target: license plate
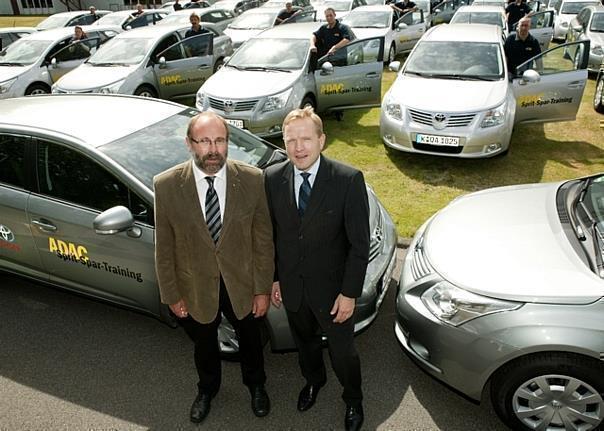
236, 123
448, 141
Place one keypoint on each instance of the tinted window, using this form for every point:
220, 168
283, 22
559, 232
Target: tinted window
12, 160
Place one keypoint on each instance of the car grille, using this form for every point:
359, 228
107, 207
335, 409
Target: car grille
377, 238
59, 91
238, 105
457, 120
419, 264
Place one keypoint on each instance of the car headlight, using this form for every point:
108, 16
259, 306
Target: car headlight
6, 85
456, 306
278, 101
112, 88
597, 50
494, 117
200, 100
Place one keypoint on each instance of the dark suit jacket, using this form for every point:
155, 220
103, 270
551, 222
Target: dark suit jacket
326, 252
188, 263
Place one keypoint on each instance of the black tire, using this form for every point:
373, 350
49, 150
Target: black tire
538, 383
37, 89
391, 54
308, 101
145, 91
218, 64
599, 95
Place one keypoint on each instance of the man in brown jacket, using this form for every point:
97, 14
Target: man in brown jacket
214, 255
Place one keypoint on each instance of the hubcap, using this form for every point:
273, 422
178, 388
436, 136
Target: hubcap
391, 55
599, 91
227, 338
37, 92
557, 402
145, 94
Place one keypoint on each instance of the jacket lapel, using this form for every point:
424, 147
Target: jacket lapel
191, 204
233, 190
319, 190
287, 182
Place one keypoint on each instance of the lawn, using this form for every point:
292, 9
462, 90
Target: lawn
413, 187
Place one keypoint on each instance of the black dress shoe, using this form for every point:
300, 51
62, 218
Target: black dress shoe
354, 418
201, 407
261, 405
308, 396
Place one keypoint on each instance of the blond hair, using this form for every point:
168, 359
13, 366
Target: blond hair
303, 113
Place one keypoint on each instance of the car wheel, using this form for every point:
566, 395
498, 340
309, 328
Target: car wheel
308, 101
145, 91
599, 95
554, 391
218, 65
37, 89
391, 54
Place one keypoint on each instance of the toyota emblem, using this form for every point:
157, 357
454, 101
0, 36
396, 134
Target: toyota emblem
440, 117
229, 106
6, 234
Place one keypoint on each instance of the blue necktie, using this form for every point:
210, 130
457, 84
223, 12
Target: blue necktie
304, 195
213, 211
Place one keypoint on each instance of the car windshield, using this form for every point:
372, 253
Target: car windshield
573, 8
337, 5
597, 23
489, 3
493, 18
374, 2
24, 51
114, 19
253, 21
456, 60
366, 19
289, 54
53, 22
125, 51
154, 149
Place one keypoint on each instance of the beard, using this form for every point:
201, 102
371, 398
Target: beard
209, 163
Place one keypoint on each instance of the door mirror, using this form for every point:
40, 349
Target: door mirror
128, 27
115, 220
395, 66
326, 68
578, 28
401, 26
530, 77
53, 63
162, 62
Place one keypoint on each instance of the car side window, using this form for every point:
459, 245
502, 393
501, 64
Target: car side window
78, 50
163, 45
363, 51
73, 177
564, 58
12, 160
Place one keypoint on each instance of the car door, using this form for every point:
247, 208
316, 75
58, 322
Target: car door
355, 78
74, 188
409, 29
556, 95
303, 16
183, 67
71, 56
577, 25
17, 248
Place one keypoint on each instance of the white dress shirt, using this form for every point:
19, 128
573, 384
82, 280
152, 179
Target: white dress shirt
314, 168
202, 187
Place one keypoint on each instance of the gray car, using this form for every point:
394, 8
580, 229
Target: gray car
501, 297
10, 34
153, 61
589, 25
70, 19
76, 200
127, 21
274, 72
218, 16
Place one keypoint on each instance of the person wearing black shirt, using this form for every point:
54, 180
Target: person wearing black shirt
93, 13
196, 28
177, 6
515, 11
521, 46
403, 7
139, 10
331, 36
287, 13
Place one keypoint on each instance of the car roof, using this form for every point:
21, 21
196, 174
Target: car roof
75, 13
262, 10
75, 113
464, 33
481, 9
373, 8
60, 32
130, 12
301, 30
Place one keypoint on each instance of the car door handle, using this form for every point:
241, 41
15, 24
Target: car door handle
372, 75
44, 225
576, 85
204, 66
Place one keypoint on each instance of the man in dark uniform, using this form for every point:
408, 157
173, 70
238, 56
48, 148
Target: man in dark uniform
516, 10
93, 13
331, 36
521, 46
403, 7
139, 10
177, 5
287, 13
196, 47
196, 28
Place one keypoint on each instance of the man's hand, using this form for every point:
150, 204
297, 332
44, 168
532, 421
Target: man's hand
276, 294
343, 307
332, 50
260, 305
313, 48
179, 309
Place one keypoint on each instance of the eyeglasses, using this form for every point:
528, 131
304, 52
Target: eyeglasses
206, 142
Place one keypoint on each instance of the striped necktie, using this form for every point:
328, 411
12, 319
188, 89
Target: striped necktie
304, 195
213, 210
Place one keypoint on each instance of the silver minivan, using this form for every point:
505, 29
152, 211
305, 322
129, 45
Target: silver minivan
274, 72
151, 62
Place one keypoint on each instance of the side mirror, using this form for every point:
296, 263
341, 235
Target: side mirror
401, 26
162, 62
395, 66
326, 68
53, 63
115, 220
437, 11
128, 27
530, 77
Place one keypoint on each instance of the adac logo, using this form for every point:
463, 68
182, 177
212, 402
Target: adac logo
6, 234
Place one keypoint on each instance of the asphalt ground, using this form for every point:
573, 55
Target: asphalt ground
71, 363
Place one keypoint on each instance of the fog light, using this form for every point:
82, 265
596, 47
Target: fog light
491, 148
389, 138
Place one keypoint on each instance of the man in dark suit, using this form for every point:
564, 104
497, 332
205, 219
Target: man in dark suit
214, 255
320, 215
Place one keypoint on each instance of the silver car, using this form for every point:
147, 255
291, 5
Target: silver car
9, 35
76, 200
589, 25
32, 64
218, 16
477, 14
454, 96
342, 7
274, 72
151, 62
127, 21
566, 11
501, 297
70, 19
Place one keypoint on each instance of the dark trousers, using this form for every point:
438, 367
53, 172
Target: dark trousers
207, 351
307, 327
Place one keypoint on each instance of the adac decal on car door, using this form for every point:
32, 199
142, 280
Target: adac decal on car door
338, 88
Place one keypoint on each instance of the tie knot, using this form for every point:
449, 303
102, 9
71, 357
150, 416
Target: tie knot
305, 176
210, 181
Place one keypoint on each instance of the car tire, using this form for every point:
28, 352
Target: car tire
599, 95
37, 90
308, 101
391, 54
540, 383
218, 65
145, 91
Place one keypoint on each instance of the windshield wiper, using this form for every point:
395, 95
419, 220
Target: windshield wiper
107, 64
11, 63
369, 26
480, 78
422, 74
595, 231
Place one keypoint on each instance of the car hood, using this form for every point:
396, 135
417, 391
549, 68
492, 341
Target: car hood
366, 33
87, 77
10, 72
242, 84
240, 36
448, 95
508, 243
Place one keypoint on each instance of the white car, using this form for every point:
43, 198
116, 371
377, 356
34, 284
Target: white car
567, 10
342, 7
70, 19
477, 14
220, 17
400, 34
455, 97
10, 34
125, 20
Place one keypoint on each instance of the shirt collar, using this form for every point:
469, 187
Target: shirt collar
201, 175
314, 168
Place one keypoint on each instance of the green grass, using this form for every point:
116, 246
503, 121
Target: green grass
413, 187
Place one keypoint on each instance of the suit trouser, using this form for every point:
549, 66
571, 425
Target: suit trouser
207, 350
307, 327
